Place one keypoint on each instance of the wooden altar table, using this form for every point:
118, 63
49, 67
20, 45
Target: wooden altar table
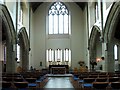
58, 69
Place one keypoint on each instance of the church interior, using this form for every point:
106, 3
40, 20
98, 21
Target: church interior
60, 44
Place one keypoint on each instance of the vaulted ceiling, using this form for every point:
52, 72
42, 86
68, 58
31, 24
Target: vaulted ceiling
35, 5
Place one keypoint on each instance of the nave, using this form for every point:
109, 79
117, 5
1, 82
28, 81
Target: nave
88, 44
74, 81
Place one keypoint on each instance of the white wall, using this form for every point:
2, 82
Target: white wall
91, 15
12, 10
77, 38
40, 43
26, 16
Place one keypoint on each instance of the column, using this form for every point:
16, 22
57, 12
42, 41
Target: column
109, 58
11, 62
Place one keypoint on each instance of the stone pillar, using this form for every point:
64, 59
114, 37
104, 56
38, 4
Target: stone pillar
10, 63
24, 54
25, 61
109, 58
104, 51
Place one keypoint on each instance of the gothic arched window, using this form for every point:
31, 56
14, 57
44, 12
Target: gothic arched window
58, 55
67, 54
50, 55
59, 19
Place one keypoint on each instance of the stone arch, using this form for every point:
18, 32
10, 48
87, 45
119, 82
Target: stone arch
93, 41
24, 48
95, 30
108, 35
111, 22
8, 27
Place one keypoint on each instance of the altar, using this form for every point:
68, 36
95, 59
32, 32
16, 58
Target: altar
58, 69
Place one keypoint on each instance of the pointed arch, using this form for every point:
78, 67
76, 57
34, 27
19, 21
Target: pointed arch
108, 35
8, 27
95, 35
58, 19
111, 22
22, 35
7, 22
24, 48
95, 31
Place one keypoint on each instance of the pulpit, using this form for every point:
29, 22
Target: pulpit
58, 69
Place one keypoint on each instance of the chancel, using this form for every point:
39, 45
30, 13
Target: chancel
59, 44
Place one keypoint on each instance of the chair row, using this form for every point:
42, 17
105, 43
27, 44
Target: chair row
31, 81
97, 73
88, 82
106, 85
94, 76
99, 83
28, 83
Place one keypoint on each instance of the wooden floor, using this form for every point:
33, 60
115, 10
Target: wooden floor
59, 82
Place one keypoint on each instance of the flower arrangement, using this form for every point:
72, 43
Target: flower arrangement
81, 63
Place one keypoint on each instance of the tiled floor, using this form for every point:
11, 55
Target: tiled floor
59, 82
